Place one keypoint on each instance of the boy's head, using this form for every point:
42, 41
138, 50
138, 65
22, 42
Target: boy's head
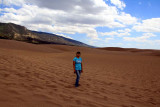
78, 54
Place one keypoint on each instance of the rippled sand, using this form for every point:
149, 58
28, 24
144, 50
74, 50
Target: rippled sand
42, 76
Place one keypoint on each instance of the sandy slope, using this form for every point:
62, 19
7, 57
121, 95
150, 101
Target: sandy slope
42, 76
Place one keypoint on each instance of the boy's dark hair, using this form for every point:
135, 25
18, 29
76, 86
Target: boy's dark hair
78, 52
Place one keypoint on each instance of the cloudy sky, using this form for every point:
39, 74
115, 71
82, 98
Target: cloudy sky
103, 23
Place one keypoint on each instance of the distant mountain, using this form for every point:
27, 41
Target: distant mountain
20, 33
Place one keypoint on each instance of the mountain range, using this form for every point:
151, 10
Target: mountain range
20, 33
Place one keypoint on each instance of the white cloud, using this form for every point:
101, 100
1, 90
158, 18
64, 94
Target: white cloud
118, 33
148, 25
66, 16
108, 39
120, 4
112, 33
12, 2
145, 41
126, 19
125, 30
144, 38
91, 32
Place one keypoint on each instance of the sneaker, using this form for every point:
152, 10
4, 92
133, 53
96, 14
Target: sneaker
77, 85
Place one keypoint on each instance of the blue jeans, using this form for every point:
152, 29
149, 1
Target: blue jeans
78, 73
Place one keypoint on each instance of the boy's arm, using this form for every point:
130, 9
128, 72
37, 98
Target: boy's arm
74, 66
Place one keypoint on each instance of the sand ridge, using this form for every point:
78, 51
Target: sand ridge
42, 76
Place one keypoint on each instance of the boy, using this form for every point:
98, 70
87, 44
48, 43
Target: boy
77, 66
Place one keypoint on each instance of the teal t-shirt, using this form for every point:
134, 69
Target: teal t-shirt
78, 62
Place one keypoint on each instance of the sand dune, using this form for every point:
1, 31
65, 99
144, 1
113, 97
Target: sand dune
139, 51
42, 76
